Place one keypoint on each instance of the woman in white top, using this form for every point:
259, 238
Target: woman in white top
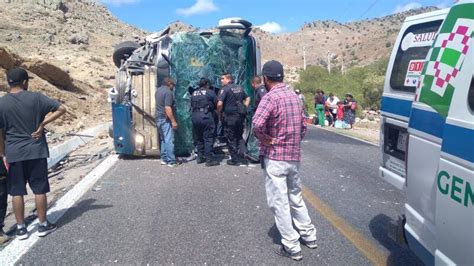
331, 104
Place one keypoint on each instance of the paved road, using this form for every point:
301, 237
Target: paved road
147, 213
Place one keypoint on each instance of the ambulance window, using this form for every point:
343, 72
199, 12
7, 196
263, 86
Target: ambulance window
470, 96
414, 47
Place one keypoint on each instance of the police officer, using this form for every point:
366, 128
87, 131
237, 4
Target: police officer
232, 106
260, 91
203, 103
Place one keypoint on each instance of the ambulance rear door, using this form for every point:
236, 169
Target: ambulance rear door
455, 175
406, 63
439, 207
455, 180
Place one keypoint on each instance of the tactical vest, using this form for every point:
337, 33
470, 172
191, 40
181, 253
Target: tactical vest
201, 101
235, 98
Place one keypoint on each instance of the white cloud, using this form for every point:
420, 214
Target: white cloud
120, 2
444, 4
200, 7
271, 27
403, 8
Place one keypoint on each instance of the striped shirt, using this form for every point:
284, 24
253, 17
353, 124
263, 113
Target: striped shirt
280, 117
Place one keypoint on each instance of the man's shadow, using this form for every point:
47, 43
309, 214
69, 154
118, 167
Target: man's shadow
70, 215
78, 210
274, 234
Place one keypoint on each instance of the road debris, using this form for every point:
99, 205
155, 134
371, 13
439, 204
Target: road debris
65, 174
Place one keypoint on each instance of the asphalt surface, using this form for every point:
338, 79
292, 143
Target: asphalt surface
148, 213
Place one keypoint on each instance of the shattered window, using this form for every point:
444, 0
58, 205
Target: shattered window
194, 56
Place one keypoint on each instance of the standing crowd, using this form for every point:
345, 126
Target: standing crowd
279, 124
210, 111
332, 112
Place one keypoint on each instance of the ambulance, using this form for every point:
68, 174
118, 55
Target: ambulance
427, 133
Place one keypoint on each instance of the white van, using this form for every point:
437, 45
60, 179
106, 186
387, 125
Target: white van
427, 132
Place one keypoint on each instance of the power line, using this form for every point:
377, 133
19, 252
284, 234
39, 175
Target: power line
368, 9
346, 12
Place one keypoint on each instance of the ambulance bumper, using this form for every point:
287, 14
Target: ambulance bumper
392, 178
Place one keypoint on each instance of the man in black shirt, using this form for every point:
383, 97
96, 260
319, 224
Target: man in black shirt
23, 118
166, 121
233, 103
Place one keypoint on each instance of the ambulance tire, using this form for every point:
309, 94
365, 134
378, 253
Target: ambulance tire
123, 51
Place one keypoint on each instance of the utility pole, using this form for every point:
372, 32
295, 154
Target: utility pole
342, 67
329, 62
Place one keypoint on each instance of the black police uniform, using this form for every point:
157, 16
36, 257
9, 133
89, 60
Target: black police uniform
232, 96
259, 93
203, 105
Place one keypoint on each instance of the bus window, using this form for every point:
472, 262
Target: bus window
411, 54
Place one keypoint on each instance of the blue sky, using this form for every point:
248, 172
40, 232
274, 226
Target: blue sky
272, 15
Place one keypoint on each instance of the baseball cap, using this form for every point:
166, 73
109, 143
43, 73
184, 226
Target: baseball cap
16, 76
273, 69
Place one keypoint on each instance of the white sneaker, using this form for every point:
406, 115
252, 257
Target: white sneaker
309, 244
163, 162
173, 165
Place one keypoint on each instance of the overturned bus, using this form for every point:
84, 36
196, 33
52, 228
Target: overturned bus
186, 57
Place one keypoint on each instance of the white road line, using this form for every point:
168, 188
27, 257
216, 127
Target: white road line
17, 248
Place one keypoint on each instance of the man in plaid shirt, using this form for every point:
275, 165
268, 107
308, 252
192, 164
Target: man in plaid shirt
279, 125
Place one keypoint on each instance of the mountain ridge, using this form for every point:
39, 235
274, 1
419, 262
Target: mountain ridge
68, 45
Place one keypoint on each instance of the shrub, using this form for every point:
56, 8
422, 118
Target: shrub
365, 83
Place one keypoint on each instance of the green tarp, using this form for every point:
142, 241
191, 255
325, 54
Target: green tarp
194, 56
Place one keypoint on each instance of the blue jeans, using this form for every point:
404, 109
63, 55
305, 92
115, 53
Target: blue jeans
167, 140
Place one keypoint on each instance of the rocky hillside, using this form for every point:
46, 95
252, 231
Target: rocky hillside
67, 46
354, 43
350, 44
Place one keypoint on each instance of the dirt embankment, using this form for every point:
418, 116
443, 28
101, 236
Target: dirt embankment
67, 47
86, 105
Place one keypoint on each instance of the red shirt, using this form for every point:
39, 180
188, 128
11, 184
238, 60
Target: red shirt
340, 111
280, 117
